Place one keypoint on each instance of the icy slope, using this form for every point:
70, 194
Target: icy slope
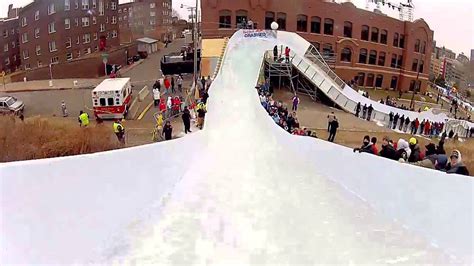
241, 191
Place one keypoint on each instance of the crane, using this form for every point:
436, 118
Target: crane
405, 10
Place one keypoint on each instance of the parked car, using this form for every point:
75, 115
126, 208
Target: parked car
11, 105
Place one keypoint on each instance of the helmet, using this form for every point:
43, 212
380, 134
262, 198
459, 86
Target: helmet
412, 141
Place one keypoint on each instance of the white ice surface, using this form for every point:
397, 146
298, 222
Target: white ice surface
240, 191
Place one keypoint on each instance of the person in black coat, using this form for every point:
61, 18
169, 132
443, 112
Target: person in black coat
395, 121
366, 146
357, 109
369, 112
172, 84
205, 96
364, 111
168, 130
455, 165
388, 151
186, 120
402, 121
332, 132
275, 53
390, 122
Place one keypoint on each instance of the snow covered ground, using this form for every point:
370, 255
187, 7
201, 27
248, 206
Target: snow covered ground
240, 191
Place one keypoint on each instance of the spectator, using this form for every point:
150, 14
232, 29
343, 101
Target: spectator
430, 157
455, 164
415, 155
357, 109
168, 130
374, 145
403, 150
208, 82
369, 112
275, 53
407, 122
395, 121
205, 96
366, 146
167, 84
64, 109
388, 151
180, 83
333, 129
172, 84
402, 122
422, 127
295, 101
287, 54
163, 107
451, 134
203, 83
390, 121
441, 162
186, 120
157, 85
169, 106
83, 119
331, 117
201, 115
156, 96
364, 111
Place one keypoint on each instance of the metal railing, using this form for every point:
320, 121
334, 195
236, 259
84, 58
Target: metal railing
314, 56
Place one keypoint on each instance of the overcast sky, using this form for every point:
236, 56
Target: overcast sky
451, 20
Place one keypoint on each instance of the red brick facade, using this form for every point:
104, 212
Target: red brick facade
373, 48
59, 31
9, 45
145, 18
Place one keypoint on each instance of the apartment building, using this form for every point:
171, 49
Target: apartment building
58, 31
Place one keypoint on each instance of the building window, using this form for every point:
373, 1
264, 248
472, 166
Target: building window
393, 83
52, 46
38, 50
281, 20
13, 44
346, 55
96, 48
315, 25
414, 66
5, 47
269, 18
328, 26
68, 42
13, 31
101, 7
51, 9
107, 20
94, 20
37, 15
67, 5
67, 23
85, 22
24, 37
395, 39
417, 45
152, 5
372, 57
85, 4
95, 36
37, 33
327, 50
302, 23
347, 29
364, 33
23, 22
363, 56
5, 33
94, 3
86, 38
394, 61
39, 63
54, 60
26, 54
421, 66
402, 41
423, 48
316, 45
412, 85
360, 79
69, 56
78, 40
241, 18
400, 61
375, 35
108, 35
381, 61
114, 34
383, 36
225, 19
87, 50
51, 27
102, 27
76, 21
152, 13
27, 66
379, 81
370, 80
114, 20
113, 5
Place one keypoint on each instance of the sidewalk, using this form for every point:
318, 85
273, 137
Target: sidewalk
59, 84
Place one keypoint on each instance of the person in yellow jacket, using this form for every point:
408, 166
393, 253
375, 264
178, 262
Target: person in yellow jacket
159, 120
83, 119
119, 131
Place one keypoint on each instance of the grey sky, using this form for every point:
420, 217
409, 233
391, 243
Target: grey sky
451, 20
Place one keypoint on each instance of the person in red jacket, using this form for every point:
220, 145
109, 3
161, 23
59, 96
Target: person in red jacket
417, 125
167, 83
163, 106
287, 54
427, 128
178, 103
374, 145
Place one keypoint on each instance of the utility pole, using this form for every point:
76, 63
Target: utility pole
416, 87
196, 39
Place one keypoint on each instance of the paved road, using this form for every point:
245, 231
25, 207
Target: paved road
47, 103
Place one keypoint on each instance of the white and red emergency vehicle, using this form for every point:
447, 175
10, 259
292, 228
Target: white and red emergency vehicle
111, 99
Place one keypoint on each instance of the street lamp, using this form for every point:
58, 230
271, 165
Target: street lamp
195, 35
416, 87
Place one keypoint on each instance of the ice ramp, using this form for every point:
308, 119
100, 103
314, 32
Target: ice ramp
242, 191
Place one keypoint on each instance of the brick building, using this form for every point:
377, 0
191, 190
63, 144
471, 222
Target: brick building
9, 42
58, 31
145, 18
370, 47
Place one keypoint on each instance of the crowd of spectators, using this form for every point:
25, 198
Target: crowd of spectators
434, 156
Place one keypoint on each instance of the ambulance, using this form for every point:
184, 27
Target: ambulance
111, 99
